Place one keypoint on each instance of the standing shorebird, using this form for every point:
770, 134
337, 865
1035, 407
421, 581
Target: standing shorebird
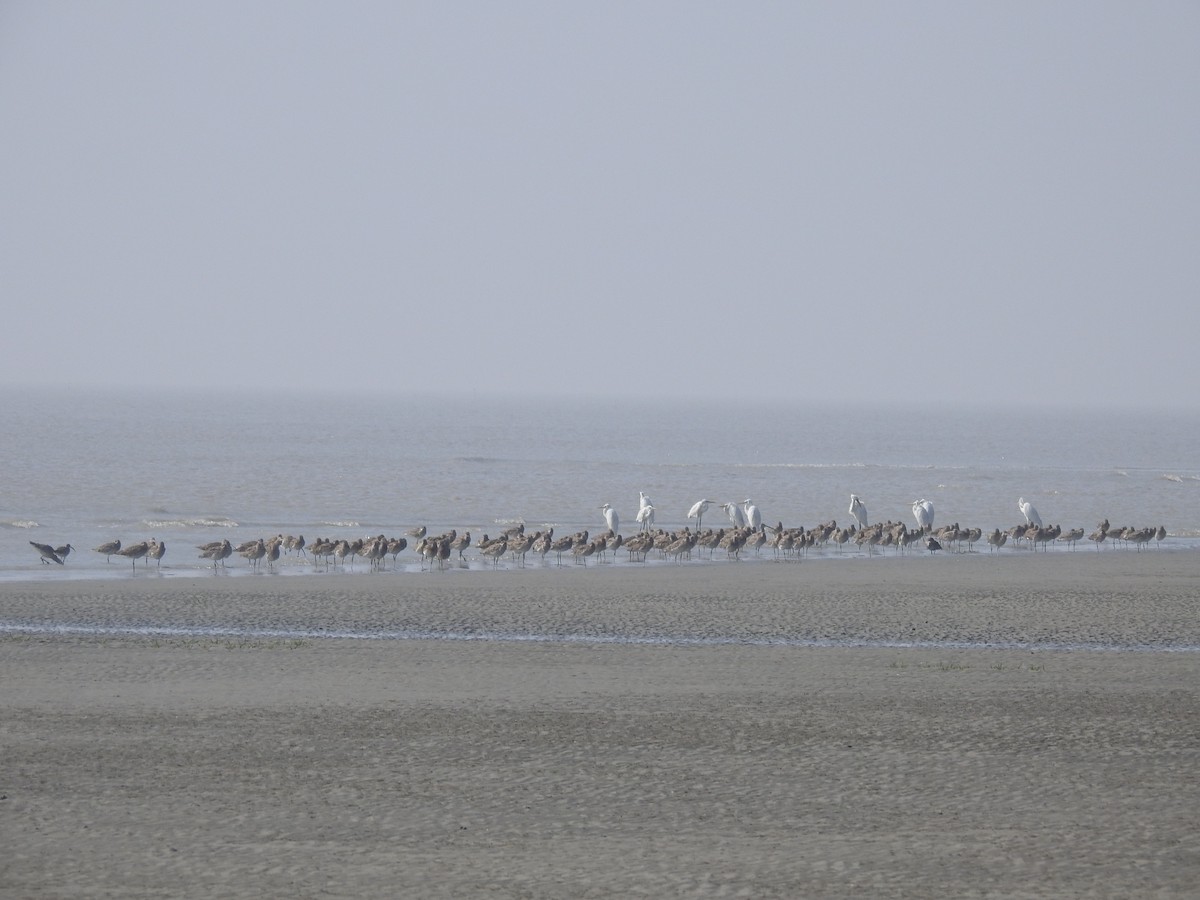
108, 548
47, 553
254, 552
611, 518
217, 551
494, 550
156, 551
134, 552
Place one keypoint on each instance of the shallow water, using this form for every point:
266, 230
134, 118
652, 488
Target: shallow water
84, 467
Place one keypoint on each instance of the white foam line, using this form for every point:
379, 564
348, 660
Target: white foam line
201, 631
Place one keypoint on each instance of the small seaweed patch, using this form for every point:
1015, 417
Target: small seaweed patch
944, 666
217, 643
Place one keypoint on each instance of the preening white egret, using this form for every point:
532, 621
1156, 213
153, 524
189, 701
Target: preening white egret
923, 513
697, 511
858, 510
1030, 514
645, 517
753, 516
645, 513
737, 518
611, 517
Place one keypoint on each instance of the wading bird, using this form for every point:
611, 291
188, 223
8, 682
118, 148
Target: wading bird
611, 518
697, 511
753, 516
134, 552
858, 510
645, 517
923, 513
47, 553
1030, 514
108, 548
737, 518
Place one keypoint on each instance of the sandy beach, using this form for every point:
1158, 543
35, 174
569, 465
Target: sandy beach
952, 726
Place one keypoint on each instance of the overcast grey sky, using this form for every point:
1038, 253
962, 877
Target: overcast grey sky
839, 201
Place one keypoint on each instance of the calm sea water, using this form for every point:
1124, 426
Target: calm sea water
84, 467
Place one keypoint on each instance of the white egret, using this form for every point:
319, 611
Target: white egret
737, 518
697, 511
923, 513
753, 516
611, 517
1030, 514
858, 510
645, 517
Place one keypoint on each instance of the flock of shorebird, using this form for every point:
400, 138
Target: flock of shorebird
151, 549
746, 532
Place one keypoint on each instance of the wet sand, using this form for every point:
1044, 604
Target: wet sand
887, 727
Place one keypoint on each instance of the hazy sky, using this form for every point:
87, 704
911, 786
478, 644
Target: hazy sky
851, 201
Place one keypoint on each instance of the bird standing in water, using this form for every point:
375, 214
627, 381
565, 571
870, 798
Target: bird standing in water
47, 553
858, 510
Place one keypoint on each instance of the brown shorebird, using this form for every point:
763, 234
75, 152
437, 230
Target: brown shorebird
254, 552
157, 550
495, 550
134, 552
108, 548
217, 551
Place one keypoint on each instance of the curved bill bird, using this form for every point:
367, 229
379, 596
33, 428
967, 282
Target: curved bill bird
108, 548
1030, 514
858, 510
47, 553
134, 552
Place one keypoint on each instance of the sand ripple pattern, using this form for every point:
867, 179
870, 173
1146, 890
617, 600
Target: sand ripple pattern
1116, 603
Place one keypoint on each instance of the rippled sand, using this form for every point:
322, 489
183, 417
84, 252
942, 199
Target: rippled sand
759, 730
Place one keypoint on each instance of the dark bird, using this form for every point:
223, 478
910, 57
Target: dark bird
47, 553
932, 543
